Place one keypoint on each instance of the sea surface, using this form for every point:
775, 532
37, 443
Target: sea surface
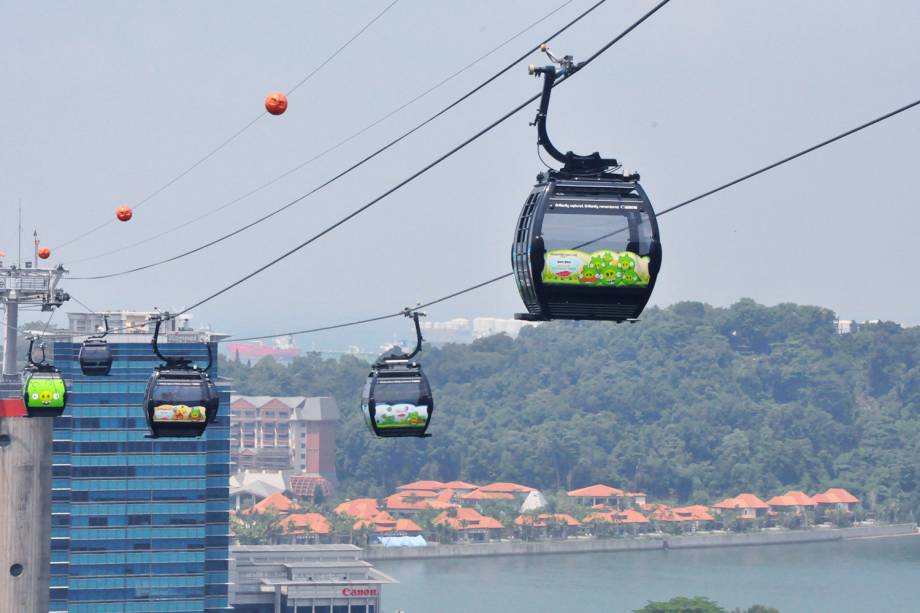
860, 576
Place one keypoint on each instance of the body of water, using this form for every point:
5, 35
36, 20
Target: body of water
860, 576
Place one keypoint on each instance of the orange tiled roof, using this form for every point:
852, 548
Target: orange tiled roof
750, 501
800, 498
694, 512
540, 521
378, 521
306, 523
407, 525
400, 525
742, 501
418, 493
597, 491
835, 495
363, 508
490, 523
460, 485
482, 495
629, 516
446, 495
464, 518
277, 501
510, 488
792, 499
399, 502
422, 485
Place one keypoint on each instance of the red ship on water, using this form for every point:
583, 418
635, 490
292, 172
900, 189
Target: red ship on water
282, 348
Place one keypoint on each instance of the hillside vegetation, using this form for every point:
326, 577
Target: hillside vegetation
692, 404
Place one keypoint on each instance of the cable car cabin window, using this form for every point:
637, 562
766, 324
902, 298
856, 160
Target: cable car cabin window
400, 404
179, 402
589, 248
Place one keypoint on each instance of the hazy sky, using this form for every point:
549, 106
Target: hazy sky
102, 102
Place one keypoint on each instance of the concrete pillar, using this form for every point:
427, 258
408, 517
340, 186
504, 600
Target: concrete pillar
25, 513
9, 337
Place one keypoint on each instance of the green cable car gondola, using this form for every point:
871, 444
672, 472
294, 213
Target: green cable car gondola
44, 392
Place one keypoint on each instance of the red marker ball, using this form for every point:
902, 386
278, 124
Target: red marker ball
124, 213
276, 103
44, 253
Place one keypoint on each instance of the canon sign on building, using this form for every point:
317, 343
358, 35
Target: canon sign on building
303, 579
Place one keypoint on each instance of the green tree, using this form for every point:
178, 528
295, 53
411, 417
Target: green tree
257, 528
693, 404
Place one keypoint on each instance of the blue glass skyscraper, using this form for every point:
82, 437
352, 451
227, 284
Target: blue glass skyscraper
138, 524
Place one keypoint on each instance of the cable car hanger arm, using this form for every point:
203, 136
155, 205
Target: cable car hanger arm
572, 162
29, 355
418, 330
159, 318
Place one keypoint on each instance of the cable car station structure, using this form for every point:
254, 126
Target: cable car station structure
25, 453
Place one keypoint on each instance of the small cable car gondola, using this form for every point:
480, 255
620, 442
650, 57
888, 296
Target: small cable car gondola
181, 400
44, 392
586, 243
397, 399
95, 354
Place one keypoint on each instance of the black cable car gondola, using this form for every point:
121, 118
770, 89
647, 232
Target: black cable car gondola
397, 399
180, 399
44, 392
586, 243
95, 354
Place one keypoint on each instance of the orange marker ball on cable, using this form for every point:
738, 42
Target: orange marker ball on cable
124, 213
44, 253
276, 103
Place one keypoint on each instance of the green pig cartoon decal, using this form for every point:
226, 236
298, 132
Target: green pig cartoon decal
589, 274
602, 268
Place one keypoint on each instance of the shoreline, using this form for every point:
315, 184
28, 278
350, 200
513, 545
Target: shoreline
377, 553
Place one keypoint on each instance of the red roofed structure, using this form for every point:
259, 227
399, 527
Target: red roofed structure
835, 499
410, 502
481, 495
381, 521
548, 525
792, 502
745, 506
692, 518
470, 524
626, 520
306, 485
307, 528
507, 488
277, 502
598, 494
461, 486
362, 508
446, 495
423, 485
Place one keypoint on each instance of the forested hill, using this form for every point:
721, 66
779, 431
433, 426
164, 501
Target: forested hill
693, 403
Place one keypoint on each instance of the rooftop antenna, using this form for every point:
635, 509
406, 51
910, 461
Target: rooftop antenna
19, 256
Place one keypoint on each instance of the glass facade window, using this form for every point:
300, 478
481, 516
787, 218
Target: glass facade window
139, 524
